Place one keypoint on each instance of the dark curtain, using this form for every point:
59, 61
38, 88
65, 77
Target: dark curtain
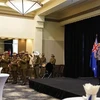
79, 39
8, 46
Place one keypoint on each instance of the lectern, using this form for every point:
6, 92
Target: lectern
3, 78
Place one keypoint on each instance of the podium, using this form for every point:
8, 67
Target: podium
3, 78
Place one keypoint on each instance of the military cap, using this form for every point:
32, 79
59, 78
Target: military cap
36, 53
26, 52
43, 54
52, 55
22, 51
14, 53
6, 52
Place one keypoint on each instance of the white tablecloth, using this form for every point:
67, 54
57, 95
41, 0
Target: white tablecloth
3, 78
77, 98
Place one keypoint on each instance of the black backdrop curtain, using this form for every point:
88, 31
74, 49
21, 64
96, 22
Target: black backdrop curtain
79, 40
8, 45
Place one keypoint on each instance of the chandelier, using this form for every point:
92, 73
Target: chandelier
24, 6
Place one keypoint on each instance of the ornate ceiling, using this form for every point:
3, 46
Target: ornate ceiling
5, 10
57, 10
64, 11
76, 9
57, 7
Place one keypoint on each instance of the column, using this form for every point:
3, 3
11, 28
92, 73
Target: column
39, 25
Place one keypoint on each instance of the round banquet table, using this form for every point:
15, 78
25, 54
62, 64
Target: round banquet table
3, 78
78, 98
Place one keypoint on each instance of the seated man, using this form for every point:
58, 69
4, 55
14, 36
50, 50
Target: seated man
49, 69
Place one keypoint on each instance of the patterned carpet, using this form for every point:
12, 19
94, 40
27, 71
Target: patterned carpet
23, 92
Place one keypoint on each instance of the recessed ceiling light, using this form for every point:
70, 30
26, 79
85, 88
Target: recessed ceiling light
2, 4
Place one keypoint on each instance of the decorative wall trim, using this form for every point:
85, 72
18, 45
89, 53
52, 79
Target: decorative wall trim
75, 15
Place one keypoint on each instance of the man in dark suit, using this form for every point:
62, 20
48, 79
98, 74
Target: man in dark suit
97, 56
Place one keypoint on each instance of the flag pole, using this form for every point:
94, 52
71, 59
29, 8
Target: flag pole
96, 35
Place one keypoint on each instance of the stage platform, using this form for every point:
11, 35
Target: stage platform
62, 87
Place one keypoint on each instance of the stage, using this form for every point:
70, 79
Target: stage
62, 87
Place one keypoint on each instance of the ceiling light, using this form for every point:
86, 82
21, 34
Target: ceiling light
2, 4
45, 1
24, 6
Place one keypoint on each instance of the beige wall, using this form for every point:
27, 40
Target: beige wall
53, 41
53, 35
1, 46
16, 27
25, 45
29, 45
21, 45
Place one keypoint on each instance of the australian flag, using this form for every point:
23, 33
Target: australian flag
93, 63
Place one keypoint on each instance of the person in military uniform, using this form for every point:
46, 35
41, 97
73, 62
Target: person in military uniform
42, 59
23, 67
52, 59
5, 61
51, 64
14, 67
0, 60
42, 65
36, 65
29, 71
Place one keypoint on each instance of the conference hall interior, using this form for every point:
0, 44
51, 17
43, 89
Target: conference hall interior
45, 48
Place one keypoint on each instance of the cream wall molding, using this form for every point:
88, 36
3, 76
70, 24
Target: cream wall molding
80, 17
84, 10
47, 9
